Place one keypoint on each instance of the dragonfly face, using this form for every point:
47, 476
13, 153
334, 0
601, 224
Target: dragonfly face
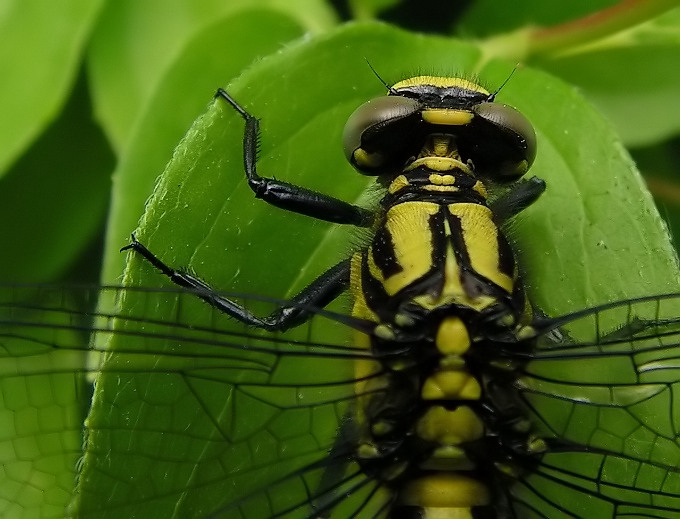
309, 422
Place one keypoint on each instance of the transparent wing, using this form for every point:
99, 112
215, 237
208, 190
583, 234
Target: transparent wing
588, 484
603, 385
192, 414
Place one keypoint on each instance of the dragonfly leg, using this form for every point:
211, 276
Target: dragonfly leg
319, 293
289, 196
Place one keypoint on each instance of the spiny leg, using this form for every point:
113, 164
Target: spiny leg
319, 293
289, 196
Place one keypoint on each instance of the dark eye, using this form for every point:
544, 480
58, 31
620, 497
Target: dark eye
373, 133
511, 139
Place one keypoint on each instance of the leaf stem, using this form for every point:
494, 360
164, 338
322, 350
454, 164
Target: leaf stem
547, 41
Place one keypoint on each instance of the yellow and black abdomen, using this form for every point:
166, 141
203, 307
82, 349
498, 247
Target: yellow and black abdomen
437, 275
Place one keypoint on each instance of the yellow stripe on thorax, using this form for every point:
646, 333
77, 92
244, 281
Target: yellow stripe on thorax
409, 226
412, 237
481, 240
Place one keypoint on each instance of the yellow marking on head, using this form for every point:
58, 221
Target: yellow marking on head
451, 385
452, 337
450, 427
398, 184
439, 164
447, 116
444, 491
439, 81
367, 160
521, 167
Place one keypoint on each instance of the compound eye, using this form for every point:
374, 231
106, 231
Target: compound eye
516, 134
367, 131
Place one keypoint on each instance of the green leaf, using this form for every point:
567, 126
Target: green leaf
630, 78
658, 165
52, 202
41, 411
182, 95
136, 42
594, 237
39, 58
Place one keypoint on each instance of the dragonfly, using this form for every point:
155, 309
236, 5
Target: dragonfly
574, 415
